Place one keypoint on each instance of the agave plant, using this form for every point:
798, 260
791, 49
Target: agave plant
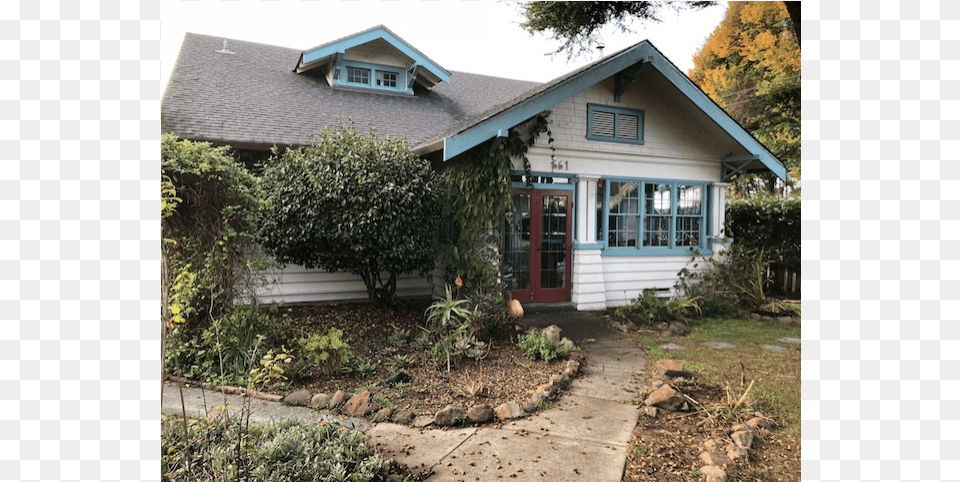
449, 311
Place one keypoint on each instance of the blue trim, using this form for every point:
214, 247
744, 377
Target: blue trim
705, 245
457, 144
617, 112
461, 142
586, 246
709, 107
400, 72
376, 33
543, 187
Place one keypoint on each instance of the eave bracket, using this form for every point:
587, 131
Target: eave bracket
731, 167
624, 79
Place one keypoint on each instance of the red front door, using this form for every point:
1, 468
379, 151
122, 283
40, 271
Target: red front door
537, 246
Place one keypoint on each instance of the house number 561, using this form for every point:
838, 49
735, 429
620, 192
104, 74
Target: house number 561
559, 165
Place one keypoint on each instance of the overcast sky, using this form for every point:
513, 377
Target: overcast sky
477, 36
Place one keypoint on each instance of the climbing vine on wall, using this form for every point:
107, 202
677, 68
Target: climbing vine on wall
480, 200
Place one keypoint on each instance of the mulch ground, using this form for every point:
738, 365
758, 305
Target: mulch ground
504, 374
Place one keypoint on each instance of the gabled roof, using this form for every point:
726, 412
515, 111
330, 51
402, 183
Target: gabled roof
497, 120
246, 95
250, 98
325, 52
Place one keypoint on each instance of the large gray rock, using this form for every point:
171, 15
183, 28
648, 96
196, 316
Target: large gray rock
422, 421
670, 367
712, 473
338, 398
403, 417
319, 400
448, 417
299, 398
743, 438
553, 333
383, 415
480, 414
736, 452
666, 398
714, 458
758, 423
508, 410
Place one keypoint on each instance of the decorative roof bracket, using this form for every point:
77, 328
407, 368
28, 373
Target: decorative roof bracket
732, 166
412, 76
337, 61
624, 79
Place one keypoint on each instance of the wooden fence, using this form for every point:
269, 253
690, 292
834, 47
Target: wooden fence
784, 282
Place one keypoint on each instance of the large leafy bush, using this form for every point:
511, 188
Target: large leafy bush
210, 262
769, 225
352, 202
210, 206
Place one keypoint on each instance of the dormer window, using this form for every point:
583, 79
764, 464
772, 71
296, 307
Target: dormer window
373, 76
386, 79
375, 59
358, 76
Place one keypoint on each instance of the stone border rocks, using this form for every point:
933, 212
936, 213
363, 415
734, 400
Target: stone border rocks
786, 320
360, 404
717, 453
226, 389
364, 405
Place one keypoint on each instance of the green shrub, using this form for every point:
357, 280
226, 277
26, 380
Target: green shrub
328, 351
210, 209
768, 225
224, 449
271, 368
726, 285
229, 347
354, 203
365, 367
649, 308
538, 346
448, 312
399, 337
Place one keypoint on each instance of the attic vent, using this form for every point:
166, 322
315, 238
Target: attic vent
603, 123
628, 127
614, 124
224, 50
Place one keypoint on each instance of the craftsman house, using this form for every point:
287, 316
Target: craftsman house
632, 185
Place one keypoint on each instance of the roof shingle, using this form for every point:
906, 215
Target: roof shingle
254, 97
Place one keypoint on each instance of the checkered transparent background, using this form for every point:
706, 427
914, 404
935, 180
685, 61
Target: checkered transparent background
79, 240
879, 79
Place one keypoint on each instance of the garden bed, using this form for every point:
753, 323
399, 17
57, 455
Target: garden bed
384, 339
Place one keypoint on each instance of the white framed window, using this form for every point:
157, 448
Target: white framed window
654, 217
386, 79
357, 75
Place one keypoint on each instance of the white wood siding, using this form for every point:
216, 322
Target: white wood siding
296, 284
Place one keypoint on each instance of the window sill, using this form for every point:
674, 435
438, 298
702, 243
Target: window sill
642, 252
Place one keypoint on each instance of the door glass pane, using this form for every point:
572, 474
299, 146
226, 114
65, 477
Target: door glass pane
553, 242
516, 273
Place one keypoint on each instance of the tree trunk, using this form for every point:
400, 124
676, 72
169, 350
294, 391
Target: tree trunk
793, 9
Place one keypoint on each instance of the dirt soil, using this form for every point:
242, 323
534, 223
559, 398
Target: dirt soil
667, 448
504, 374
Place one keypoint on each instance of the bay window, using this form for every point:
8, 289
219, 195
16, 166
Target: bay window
652, 217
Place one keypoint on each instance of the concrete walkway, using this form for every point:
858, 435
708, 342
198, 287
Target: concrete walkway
583, 436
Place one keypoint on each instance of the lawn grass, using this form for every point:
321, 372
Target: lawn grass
776, 375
